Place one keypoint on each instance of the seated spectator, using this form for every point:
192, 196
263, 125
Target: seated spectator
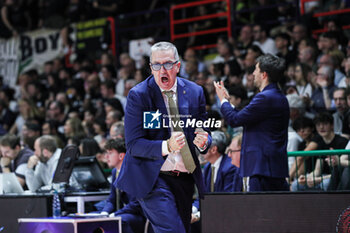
234, 152
13, 157
322, 96
340, 179
119, 203
318, 176
7, 117
89, 147
190, 54
262, 40
341, 109
298, 139
218, 173
50, 127
245, 40
42, 165
117, 130
73, 128
30, 132
282, 41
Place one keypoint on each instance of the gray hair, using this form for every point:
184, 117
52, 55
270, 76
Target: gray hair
219, 140
48, 142
328, 71
164, 46
118, 129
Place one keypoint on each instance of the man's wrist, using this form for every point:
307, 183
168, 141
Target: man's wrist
223, 100
168, 145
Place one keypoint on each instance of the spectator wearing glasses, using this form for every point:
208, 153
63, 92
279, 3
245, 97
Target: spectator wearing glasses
161, 166
234, 152
218, 173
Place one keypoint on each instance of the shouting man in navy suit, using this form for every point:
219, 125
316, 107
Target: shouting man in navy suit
161, 167
265, 128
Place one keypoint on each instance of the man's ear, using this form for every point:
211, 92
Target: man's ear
178, 65
121, 156
46, 152
214, 149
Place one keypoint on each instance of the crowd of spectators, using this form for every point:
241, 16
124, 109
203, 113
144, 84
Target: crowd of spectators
84, 105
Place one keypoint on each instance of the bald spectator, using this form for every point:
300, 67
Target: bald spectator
42, 165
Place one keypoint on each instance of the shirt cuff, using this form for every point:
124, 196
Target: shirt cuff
226, 100
165, 150
204, 147
194, 209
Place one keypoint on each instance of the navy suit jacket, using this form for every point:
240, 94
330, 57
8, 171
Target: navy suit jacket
143, 159
224, 179
265, 133
127, 202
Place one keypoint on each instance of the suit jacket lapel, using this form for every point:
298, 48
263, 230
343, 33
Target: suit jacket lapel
158, 101
183, 99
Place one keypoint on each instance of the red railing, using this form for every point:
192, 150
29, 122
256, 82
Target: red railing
174, 22
323, 14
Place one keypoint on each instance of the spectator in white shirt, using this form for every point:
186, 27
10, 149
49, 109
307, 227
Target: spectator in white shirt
42, 165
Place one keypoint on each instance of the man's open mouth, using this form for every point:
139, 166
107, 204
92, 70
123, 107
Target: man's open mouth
165, 79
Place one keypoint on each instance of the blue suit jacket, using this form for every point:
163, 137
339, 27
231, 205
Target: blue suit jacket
128, 203
143, 160
224, 179
265, 133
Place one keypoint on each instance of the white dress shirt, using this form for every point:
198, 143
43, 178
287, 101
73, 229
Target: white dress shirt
217, 166
43, 173
174, 160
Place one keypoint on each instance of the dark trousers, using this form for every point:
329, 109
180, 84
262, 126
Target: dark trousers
264, 183
169, 205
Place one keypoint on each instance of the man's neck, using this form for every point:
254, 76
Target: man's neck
213, 158
263, 85
328, 138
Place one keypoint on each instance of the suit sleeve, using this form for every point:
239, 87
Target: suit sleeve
110, 203
136, 142
133, 207
254, 112
203, 117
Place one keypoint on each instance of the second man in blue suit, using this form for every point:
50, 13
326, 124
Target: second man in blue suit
265, 128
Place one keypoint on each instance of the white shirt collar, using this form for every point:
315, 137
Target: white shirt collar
217, 163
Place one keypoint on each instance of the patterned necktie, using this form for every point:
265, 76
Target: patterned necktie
185, 151
117, 194
212, 179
